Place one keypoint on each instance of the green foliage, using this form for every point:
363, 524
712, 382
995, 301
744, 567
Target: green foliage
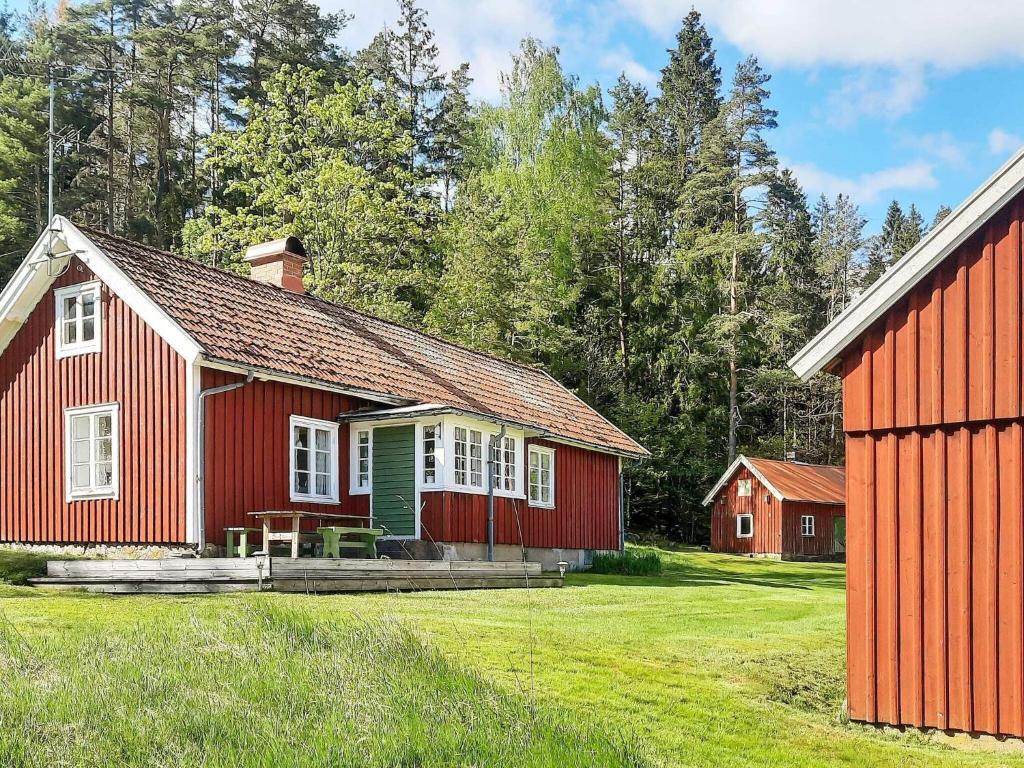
18, 566
628, 563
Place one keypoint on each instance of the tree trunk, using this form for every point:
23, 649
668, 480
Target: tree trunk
110, 127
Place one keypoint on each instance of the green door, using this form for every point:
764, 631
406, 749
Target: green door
839, 535
394, 480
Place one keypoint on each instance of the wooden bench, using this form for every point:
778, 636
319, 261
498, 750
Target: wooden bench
364, 539
244, 548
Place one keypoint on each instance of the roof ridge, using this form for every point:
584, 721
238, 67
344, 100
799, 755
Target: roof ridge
92, 231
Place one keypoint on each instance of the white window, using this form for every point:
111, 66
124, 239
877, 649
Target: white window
78, 319
314, 460
91, 452
431, 448
504, 458
743, 487
360, 461
469, 451
807, 525
542, 476
744, 526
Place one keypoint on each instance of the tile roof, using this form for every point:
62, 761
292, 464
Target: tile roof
804, 482
239, 321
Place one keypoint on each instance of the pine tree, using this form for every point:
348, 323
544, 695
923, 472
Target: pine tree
910, 233
451, 133
940, 216
882, 248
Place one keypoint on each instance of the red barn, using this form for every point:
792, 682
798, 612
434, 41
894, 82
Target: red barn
781, 509
146, 398
932, 362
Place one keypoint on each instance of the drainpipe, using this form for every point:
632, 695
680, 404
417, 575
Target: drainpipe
622, 509
201, 448
495, 443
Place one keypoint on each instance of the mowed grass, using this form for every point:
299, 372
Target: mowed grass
719, 661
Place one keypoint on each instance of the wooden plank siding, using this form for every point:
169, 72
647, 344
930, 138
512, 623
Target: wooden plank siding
934, 422
134, 368
585, 515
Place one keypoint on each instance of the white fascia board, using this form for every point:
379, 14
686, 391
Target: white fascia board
37, 273
899, 279
727, 475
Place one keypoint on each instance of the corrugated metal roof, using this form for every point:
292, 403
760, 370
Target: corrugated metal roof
804, 482
246, 323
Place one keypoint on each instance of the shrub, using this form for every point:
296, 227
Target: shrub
628, 563
18, 566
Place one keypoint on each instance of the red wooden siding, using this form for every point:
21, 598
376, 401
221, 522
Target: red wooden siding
585, 516
777, 528
134, 368
247, 450
935, 548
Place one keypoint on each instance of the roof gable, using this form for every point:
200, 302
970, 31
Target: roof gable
236, 321
790, 480
919, 262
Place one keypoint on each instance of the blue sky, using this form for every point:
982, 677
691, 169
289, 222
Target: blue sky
880, 99
917, 100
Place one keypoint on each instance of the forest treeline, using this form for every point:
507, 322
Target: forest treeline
644, 246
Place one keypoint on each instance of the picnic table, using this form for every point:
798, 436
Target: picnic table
295, 534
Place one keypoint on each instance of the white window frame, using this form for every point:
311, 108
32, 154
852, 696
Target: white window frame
739, 526
93, 492
354, 489
77, 291
540, 450
744, 487
331, 427
805, 529
421, 454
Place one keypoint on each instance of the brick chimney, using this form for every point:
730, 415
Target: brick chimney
278, 262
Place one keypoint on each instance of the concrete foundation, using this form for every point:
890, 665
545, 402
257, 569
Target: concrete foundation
577, 559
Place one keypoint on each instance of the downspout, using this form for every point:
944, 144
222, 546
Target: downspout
495, 443
201, 449
622, 509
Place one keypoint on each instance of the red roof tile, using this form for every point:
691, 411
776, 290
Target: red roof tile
240, 321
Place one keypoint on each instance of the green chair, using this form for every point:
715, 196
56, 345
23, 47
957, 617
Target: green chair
244, 548
364, 539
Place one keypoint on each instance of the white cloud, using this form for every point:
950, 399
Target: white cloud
482, 33
876, 93
1001, 142
941, 146
868, 187
943, 33
619, 61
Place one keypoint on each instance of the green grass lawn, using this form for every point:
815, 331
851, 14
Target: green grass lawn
719, 661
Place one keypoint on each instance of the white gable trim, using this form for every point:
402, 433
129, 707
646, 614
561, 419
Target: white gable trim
33, 279
954, 230
740, 460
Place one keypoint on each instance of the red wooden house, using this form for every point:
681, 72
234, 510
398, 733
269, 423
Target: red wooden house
779, 509
146, 398
932, 363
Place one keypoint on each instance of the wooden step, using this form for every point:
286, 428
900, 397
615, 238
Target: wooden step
322, 586
148, 587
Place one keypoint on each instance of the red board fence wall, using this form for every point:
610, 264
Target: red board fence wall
933, 415
135, 368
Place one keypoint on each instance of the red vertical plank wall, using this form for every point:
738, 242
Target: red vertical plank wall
585, 515
247, 450
765, 508
134, 368
935, 470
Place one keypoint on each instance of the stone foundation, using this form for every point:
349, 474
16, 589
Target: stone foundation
104, 551
578, 559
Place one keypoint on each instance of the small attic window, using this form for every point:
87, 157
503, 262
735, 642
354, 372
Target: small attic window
744, 487
78, 319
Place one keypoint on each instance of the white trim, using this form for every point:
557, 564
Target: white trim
354, 489
739, 519
902, 276
803, 527
195, 526
741, 460
542, 450
439, 455
92, 493
333, 495
77, 290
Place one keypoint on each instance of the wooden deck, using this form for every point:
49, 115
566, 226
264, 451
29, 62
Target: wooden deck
282, 574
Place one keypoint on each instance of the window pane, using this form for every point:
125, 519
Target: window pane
88, 330
80, 452
81, 426
70, 308
301, 460
104, 475
89, 304
103, 424
300, 439
70, 333
302, 482
545, 495
545, 460
322, 485
323, 461
80, 476
104, 449
323, 440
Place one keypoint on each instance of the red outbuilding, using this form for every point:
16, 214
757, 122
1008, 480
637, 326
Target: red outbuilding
932, 362
779, 509
149, 399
